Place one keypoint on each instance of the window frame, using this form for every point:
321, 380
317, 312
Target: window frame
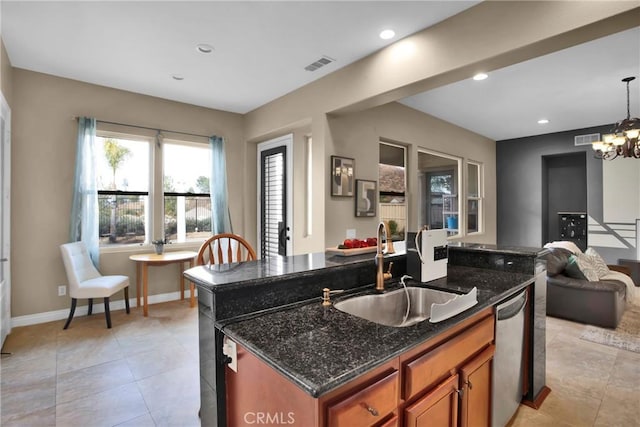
457, 187
149, 220
186, 143
155, 198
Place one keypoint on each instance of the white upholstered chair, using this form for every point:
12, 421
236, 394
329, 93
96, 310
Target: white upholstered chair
85, 281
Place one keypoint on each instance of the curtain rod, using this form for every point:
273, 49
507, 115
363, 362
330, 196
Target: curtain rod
148, 128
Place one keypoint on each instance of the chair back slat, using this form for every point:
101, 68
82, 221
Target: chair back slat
225, 248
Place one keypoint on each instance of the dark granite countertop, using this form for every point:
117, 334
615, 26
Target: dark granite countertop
499, 249
320, 348
223, 277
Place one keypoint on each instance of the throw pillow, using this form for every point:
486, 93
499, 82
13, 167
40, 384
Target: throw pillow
585, 265
598, 263
572, 270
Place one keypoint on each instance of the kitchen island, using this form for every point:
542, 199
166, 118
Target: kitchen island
272, 310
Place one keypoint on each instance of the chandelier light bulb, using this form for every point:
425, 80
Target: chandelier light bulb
633, 133
619, 140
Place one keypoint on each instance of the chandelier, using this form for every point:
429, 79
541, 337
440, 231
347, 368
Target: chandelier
623, 139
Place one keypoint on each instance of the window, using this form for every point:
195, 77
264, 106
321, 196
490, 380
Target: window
126, 196
474, 197
187, 206
439, 189
392, 187
123, 189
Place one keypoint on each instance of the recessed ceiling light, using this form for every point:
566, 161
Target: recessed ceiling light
178, 77
204, 48
480, 76
543, 121
387, 34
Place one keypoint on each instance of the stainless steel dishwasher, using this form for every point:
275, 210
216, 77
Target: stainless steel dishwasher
507, 360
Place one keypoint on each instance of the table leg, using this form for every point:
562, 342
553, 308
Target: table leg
192, 288
145, 289
138, 274
180, 271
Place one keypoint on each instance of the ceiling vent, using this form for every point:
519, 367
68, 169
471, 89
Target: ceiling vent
586, 139
319, 63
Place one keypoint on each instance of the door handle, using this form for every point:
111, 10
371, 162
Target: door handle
4, 259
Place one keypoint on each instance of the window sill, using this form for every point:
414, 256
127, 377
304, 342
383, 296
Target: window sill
145, 248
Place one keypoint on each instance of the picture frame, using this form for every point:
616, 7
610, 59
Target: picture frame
343, 172
366, 198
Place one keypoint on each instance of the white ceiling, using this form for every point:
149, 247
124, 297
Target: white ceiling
574, 88
261, 49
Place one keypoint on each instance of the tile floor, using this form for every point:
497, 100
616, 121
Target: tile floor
592, 384
144, 372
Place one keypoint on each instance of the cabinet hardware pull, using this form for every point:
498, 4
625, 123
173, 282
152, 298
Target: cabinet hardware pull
469, 384
370, 409
460, 392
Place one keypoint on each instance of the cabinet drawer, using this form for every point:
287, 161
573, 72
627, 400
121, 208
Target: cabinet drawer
426, 370
366, 407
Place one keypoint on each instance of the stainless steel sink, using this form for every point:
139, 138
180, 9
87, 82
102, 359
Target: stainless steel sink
390, 309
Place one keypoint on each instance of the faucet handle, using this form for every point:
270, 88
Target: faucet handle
388, 274
326, 295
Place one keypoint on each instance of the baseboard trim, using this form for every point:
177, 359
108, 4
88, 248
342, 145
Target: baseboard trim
50, 316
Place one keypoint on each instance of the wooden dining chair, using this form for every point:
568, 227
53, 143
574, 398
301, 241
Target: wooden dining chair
85, 281
225, 248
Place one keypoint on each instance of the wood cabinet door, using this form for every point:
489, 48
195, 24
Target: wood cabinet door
475, 378
438, 408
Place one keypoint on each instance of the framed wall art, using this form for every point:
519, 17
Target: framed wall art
366, 198
342, 176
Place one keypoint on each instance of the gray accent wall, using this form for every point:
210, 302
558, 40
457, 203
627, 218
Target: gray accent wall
519, 174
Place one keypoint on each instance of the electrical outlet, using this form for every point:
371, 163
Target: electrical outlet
351, 233
62, 290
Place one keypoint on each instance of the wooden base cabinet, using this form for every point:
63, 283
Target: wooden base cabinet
445, 381
471, 387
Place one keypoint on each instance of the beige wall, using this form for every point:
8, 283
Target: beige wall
6, 74
358, 136
486, 37
43, 157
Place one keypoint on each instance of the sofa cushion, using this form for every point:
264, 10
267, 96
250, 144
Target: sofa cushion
557, 261
564, 244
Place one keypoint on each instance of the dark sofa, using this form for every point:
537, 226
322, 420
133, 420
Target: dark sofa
599, 303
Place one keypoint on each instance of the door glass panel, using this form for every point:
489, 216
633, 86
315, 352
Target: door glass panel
273, 202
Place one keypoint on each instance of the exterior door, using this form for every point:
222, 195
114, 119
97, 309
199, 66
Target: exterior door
5, 211
274, 204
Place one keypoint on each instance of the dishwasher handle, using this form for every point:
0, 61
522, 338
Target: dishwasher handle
512, 307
